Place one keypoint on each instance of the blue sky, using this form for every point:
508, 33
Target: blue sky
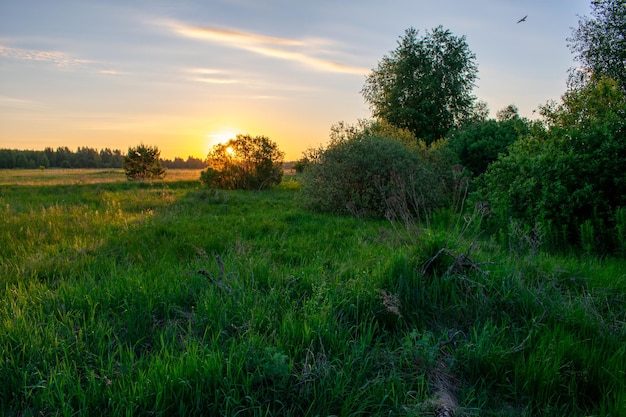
184, 75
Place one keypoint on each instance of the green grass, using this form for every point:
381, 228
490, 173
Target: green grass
113, 302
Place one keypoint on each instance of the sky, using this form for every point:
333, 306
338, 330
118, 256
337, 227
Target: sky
184, 75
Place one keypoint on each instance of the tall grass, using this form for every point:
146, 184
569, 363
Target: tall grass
166, 298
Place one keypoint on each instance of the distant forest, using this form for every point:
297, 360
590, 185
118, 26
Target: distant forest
84, 157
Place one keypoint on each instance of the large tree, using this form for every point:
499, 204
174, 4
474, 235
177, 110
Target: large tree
425, 84
599, 41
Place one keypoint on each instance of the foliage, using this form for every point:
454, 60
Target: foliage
366, 170
246, 162
301, 164
585, 107
478, 113
479, 144
572, 176
62, 157
424, 85
599, 42
180, 163
84, 157
142, 162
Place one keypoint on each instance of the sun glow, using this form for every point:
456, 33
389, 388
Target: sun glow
222, 136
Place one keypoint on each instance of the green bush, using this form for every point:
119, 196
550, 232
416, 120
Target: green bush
247, 163
571, 178
370, 175
480, 143
142, 162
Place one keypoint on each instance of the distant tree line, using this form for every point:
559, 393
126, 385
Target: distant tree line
83, 157
179, 163
62, 157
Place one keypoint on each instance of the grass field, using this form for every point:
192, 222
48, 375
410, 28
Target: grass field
164, 298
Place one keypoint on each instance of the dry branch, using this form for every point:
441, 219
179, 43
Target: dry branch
219, 282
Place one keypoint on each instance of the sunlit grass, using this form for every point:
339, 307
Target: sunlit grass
164, 298
59, 176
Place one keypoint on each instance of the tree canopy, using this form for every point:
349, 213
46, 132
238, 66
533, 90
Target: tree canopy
599, 42
425, 84
245, 162
142, 162
480, 143
62, 157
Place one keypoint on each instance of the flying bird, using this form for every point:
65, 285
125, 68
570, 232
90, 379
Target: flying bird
523, 19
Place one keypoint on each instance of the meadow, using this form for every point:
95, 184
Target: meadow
164, 298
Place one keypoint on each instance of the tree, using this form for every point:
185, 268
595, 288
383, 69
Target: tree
142, 162
179, 163
510, 112
479, 112
425, 84
583, 107
479, 144
111, 158
245, 162
64, 157
51, 155
599, 42
87, 158
7, 158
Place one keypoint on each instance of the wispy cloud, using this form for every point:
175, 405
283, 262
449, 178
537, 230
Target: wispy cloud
60, 59
12, 102
211, 76
111, 72
230, 35
279, 48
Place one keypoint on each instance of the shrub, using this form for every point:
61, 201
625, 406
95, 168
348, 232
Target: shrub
570, 178
368, 174
247, 163
480, 143
142, 162
301, 165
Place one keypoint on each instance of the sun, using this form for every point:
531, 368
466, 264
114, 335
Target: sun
221, 136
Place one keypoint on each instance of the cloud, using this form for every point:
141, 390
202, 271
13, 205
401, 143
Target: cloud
211, 76
60, 59
111, 72
230, 36
12, 102
279, 48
